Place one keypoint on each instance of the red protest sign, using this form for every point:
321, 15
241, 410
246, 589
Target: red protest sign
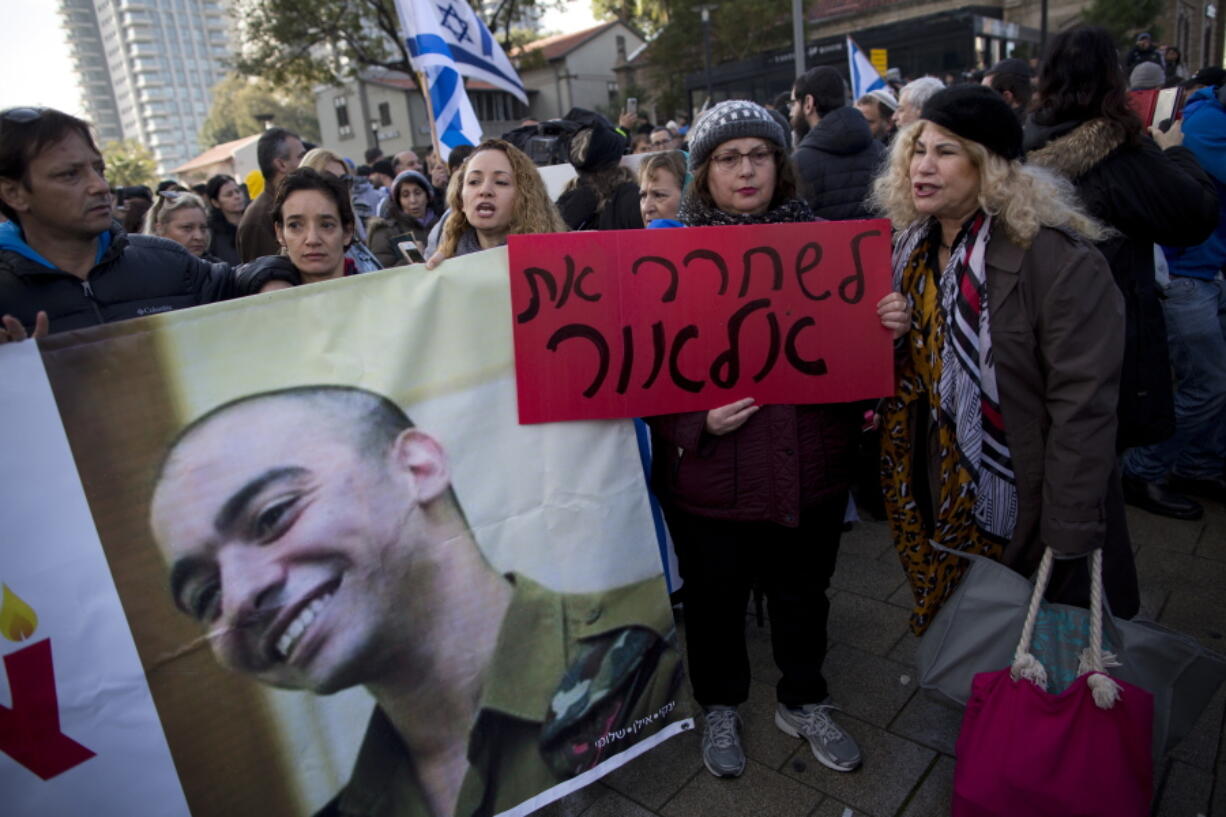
640, 322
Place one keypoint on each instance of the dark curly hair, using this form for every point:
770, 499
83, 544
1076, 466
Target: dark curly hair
304, 178
1081, 79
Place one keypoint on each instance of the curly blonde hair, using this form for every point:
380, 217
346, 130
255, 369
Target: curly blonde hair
532, 211
1021, 197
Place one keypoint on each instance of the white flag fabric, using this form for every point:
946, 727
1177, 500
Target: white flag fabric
864, 76
449, 33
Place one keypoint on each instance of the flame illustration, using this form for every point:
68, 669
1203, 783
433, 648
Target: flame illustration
17, 619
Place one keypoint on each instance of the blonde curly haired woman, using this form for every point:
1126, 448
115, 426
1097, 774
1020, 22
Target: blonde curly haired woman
1000, 438
497, 192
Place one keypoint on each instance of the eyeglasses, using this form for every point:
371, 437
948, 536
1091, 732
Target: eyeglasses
730, 161
22, 116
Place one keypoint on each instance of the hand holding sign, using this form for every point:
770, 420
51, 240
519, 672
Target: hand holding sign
636, 323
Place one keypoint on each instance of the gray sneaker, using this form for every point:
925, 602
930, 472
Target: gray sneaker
832, 747
721, 742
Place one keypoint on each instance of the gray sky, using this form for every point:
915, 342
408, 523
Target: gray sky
34, 61
36, 68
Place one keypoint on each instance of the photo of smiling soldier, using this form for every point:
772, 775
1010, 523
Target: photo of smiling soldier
314, 532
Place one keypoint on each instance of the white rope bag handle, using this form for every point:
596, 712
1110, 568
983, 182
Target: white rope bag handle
1093, 660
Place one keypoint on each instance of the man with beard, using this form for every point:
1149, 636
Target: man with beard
837, 155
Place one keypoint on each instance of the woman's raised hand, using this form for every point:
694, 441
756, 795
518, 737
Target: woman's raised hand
730, 417
895, 314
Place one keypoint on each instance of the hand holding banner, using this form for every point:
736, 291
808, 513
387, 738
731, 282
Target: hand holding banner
642, 322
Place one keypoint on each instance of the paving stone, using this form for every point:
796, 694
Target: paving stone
867, 686
575, 803
868, 539
1178, 571
905, 651
867, 576
1212, 543
1146, 529
892, 767
763, 740
761, 657
654, 777
761, 792
903, 597
613, 804
1200, 747
929, 721
1198, 612
1186, 792
833, 808
935, 793
865, 623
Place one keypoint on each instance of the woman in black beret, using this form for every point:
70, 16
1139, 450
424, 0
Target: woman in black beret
1000, 439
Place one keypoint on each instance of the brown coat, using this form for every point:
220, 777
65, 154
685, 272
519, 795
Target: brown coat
1057, 338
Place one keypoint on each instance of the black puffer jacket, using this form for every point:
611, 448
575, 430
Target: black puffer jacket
137, 275
837, 161
1150, 196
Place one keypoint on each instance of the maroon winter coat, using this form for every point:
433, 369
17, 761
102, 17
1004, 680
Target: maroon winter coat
783, 460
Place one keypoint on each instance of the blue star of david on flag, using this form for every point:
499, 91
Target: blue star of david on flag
447, 42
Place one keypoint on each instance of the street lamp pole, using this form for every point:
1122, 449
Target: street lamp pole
798, 36
706, 47
374, 132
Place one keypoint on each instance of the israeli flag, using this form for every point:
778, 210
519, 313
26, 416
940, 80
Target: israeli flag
864, 76
447, 42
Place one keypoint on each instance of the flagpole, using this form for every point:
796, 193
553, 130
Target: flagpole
425, 93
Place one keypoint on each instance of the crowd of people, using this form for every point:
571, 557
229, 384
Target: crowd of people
1058, 315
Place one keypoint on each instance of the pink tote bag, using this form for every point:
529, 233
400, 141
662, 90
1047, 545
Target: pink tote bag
1023, 752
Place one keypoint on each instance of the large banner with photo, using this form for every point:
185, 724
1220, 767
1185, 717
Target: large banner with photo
309, 562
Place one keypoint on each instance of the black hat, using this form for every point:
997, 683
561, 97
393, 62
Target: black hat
1211, 75
977, 113
1012, 65
602, 148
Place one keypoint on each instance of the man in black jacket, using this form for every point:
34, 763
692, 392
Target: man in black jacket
63, 261
837, 156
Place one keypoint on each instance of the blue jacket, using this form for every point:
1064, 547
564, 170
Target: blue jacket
1204, 133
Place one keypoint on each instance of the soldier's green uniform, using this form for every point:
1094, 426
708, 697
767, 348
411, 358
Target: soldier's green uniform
574, 679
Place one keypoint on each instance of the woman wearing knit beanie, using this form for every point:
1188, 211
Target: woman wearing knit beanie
1000, 439
757, 493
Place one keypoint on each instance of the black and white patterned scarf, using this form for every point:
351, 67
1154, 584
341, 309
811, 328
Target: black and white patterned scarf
968, 390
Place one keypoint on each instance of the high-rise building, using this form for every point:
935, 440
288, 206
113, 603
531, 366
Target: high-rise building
146, 68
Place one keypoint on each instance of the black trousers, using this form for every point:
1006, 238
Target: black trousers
720, 560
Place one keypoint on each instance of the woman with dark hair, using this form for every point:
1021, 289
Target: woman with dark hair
226, 205
1172, 65
1083, 129
314, 223
407, 225
757, 492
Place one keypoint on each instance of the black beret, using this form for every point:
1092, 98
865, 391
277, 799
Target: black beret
979, 114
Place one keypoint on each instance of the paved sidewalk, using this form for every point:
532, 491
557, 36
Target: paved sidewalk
907, 739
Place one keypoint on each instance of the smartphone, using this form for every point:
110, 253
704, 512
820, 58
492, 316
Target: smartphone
411, 251
632, 105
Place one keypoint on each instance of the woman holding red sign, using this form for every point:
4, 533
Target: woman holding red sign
1000, 439
757, 492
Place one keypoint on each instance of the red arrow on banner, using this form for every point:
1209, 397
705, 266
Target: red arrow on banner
30, 730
